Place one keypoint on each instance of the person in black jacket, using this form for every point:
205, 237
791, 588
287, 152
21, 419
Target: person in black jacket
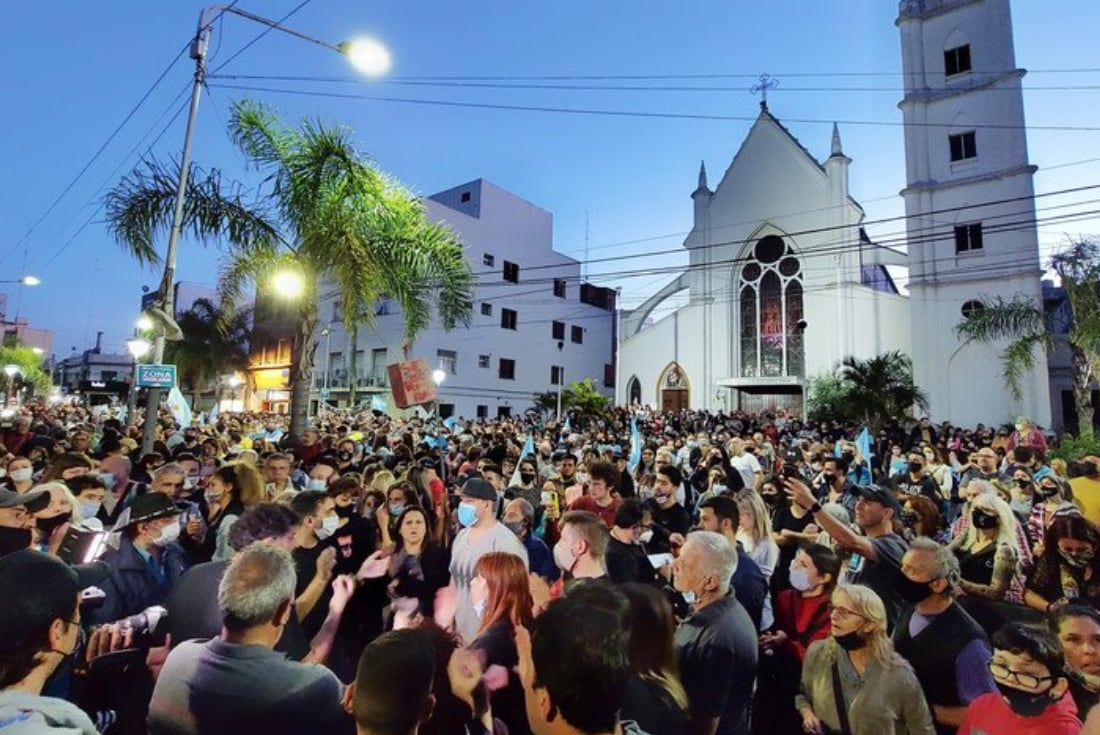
668, 520
626, 557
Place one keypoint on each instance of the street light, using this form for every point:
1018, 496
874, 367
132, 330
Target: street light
26, 281
234, 383
368, 56
362, 55
288, 283
144, 323
138, 348
438, 376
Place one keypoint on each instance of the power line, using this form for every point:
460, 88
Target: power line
643, 113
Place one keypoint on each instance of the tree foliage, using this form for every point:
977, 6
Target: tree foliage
872, 391
322, 211
14, 352
215, 342
1024, 325
582, 397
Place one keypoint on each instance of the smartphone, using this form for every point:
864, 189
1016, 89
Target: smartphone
81, 546
550, 500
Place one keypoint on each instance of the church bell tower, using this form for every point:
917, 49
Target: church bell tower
969, 203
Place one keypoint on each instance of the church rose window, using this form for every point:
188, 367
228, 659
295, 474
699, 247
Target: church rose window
770, 312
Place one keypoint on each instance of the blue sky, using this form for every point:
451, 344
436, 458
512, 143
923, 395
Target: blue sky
74, 70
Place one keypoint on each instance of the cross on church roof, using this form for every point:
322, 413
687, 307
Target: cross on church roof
761, 87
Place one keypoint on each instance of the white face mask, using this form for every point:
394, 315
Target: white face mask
646, 536
168, 534
327, 527
89, 508
23, 474
317, 485
800, 579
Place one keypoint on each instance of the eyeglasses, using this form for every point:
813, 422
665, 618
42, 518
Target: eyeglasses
843, 613
1028, 681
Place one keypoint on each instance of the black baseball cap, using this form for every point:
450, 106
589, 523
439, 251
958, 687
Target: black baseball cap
33, 500
479, 488
882, 495
37, 589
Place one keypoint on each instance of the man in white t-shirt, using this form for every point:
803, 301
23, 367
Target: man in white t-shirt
745, 462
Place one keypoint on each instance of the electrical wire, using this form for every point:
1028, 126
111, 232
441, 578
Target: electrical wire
647, 114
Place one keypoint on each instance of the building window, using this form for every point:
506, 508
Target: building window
486, 308
770, 311
557, 330
511, 272
504, 412
465, 197
483, 361
956, 60
963, 146
609, 375
384, 307
448, 359
488, 260
557, 373
559, 288
482, 412
576, 335
508, 318
337, 312
972, 307
507, 369
968, 238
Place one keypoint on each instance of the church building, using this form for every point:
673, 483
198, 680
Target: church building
783, 282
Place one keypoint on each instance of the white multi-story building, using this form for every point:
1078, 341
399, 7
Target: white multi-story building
535, 326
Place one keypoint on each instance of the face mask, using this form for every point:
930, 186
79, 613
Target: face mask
689, 597
89, 508
850, 641
345, 511
327, 527
913, 592
368, 511
1089, 681
213, 498
515, 527
646, 536
800, 579
108, 480
190, 482
396, 509
1077, 558
908, 518
564, 557
829, 476
770, 499
14, 539
467, 515
661, 498
1048, 491
344, 456
49, 525
982, 520
316, 485
1025, 704
527, 477
1021, 482
479, 608
915, 467
168, 534
23, 474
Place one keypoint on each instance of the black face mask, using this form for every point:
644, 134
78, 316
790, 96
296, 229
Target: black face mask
527, 477
14, 539
908, 518
913, 592
49, 525
344, 456
345, 511
982, 520
770, 499
850, 641
1048, 491
915, 467
1025, 704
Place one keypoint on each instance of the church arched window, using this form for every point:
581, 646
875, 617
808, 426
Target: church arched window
771, 311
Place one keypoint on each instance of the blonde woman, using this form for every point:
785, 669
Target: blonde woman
878, 691
754, 531
990, 551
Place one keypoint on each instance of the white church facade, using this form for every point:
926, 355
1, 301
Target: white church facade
783, 282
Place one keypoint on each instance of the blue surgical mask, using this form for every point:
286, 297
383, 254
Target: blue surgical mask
315, 484
467, 515
396, 509
108, 480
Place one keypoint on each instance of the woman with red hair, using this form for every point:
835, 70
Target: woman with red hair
502, 600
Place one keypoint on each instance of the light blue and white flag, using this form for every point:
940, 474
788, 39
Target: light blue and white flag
863, 442
450, 423
527, 451
635, 445
179, 407
378, 403
212, 417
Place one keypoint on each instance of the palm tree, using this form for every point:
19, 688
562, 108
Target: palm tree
214, 343
321, 211
880, 388
1025, 324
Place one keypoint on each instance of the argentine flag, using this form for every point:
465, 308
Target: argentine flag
177, 404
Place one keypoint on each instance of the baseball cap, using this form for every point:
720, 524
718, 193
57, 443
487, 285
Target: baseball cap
480, 488
33, 500
37, 589
882, 495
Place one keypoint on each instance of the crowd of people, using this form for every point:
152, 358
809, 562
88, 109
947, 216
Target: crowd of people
678, 574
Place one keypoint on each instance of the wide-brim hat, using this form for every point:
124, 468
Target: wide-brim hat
147, 507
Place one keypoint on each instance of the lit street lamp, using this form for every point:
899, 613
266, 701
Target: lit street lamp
368, 57
138, 348
26, 281
234, 383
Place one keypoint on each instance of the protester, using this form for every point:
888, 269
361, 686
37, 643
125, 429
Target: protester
519, 518
236, 682
655, 696
581, 552
626, 557
418, 567
721, 515
1069, 567
853, 681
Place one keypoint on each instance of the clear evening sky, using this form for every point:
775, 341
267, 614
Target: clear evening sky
73, 70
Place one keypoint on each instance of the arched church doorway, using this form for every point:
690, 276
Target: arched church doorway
634, 391
673, 389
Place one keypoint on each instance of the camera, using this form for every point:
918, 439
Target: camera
792, 458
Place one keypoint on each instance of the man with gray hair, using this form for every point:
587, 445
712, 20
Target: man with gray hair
236, 682
716, 646
947, 648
